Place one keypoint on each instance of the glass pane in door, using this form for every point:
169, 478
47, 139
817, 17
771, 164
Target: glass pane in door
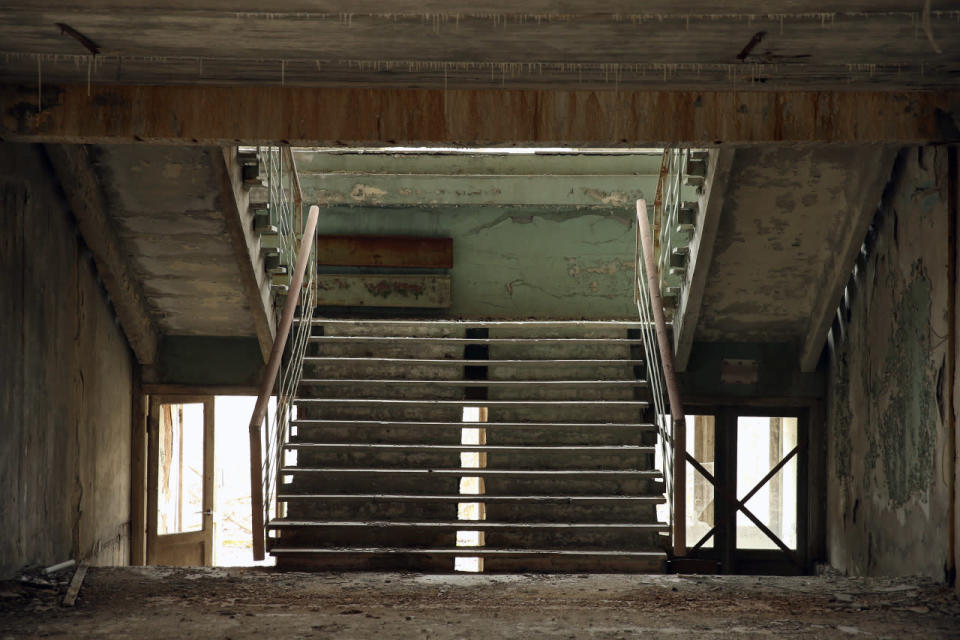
180, 468
701, 439
762, 442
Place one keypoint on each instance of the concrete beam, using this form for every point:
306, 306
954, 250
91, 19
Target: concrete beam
234, 202
404, 190
83, 192
701, 254
523, 117
864, 197
644, 163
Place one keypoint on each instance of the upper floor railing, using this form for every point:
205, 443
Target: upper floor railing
675, 212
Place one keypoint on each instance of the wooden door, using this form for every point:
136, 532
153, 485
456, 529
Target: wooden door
180, 481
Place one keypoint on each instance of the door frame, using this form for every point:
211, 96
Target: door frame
724, 550
157, 543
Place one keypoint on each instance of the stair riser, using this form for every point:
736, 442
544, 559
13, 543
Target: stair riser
391, 370
426, 329
519, 539
532, 391
445, 564
610, 413
390, 483
495, 351
494, 460
413, 511
506, 436
383, 370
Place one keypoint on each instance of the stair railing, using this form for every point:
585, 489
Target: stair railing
661, 377
282, 374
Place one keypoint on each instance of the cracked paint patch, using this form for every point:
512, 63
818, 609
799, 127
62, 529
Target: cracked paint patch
366, 193
612, 198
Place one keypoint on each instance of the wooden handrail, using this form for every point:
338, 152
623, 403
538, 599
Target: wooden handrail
670, 379
270, 379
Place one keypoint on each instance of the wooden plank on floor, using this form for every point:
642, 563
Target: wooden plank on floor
70, 598
385, 251
411, 291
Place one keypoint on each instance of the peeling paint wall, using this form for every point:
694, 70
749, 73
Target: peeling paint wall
519, 262
65, 396
888, 442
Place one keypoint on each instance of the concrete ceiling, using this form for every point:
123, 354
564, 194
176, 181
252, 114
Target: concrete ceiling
535, 43
164, 203
789, 219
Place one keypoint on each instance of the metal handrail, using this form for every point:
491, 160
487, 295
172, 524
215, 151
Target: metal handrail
662, 376
263, 479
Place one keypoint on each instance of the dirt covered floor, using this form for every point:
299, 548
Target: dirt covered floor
159, 602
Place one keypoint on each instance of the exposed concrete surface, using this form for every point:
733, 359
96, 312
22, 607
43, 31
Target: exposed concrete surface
852, 44
783, 220
65, 397
159, 602
165, 205
548, 236
889, 459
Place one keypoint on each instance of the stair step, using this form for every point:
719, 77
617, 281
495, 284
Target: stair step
457, 498
461, 362
446, 340
646, 426
464, 551
473, 324
469, 448
460, 471
604, 384
379, 488
473, 525
382, 402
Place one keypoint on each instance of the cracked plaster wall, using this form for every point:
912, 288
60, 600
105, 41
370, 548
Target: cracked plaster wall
889, 463
518, 262
65, 396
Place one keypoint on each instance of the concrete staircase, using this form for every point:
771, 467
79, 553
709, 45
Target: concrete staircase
382, 470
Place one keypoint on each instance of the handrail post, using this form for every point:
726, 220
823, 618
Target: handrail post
679, 431
269, 380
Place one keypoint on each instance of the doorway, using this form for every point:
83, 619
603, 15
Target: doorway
746, 497
198, 482
180, 490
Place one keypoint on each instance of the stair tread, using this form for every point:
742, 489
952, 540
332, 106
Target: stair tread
457, 340
485, 425
473, 383
459, 471
629, 324
467, 551
471, 447
285, 523
657, 499
471, 403
531, 362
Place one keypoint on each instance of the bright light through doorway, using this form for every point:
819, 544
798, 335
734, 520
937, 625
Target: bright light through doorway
232, 533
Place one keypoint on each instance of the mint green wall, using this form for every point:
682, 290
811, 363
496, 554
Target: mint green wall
547, 235
519, 262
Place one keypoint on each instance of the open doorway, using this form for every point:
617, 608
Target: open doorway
233, 534
198, 487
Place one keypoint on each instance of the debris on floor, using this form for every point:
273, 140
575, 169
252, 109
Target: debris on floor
164, 602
